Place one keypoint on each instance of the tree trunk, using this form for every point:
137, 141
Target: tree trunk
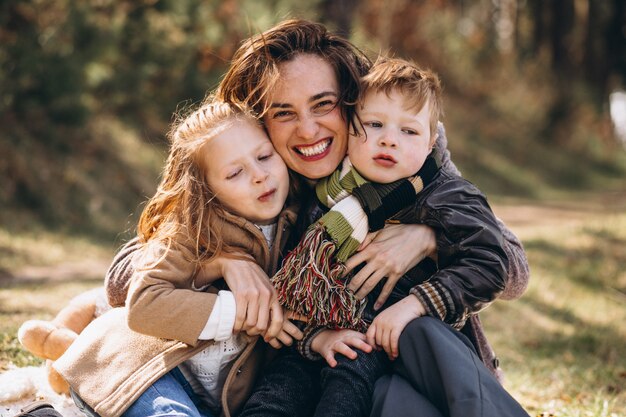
339, 14
561, 25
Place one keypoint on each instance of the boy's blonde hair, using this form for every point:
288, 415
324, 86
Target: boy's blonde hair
418, 86
184, 207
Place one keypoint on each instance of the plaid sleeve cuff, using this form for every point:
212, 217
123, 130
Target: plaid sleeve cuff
438, 303
304, 345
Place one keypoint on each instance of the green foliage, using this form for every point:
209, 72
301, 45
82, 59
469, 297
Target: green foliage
87, 90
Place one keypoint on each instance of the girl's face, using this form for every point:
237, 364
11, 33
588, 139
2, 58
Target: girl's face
247, 175
304, 119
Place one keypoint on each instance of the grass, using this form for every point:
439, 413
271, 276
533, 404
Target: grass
39, 272
562, 345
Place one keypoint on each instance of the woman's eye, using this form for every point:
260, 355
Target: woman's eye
283, 115
324, 107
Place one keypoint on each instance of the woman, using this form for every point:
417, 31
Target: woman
303, 82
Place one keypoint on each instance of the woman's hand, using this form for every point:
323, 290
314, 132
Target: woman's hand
329, 342
389, 252
258, 310
385, 330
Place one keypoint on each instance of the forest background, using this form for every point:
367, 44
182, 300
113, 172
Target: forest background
88, 89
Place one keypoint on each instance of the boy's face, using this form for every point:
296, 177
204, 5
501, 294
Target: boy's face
397, 140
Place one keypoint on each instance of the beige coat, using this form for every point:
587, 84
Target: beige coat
109, 365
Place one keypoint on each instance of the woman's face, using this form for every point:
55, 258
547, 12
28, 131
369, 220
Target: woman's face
304, 120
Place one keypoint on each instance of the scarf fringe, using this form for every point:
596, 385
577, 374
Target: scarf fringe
310, 283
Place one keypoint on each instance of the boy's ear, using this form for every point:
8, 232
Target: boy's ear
433, 139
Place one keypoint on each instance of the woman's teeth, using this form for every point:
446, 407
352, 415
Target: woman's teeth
315, 149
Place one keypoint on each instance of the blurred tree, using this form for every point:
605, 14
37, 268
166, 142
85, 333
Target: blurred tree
75, 75
339, 15
580, 44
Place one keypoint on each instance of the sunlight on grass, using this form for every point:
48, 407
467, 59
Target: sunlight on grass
31, 301
562, 346
41, 248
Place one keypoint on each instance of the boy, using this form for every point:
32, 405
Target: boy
399, 110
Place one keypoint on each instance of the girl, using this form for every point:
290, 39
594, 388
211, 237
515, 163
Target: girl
222, 194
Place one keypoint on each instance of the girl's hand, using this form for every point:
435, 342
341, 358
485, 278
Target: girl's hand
389, 252
384, 332
288, 333
329, 342
258, 310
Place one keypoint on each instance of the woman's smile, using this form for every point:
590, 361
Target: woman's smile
316, 151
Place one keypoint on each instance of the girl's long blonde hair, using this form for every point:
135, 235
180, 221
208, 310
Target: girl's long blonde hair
184, 206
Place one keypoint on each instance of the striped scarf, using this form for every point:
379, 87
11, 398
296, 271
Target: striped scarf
310, 281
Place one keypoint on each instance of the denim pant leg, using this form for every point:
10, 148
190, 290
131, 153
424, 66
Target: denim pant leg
171, 395
442, 365
287, 387
348, 387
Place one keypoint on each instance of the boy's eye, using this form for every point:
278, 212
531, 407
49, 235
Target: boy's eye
265, 156
233, 174
410, 131
373, 124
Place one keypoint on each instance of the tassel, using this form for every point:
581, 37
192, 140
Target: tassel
310, 283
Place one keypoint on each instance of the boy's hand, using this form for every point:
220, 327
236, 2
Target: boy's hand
385, 330
288, 333
329, 342
389, 252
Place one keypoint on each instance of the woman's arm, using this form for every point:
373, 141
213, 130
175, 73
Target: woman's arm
470, 255
394, 250
518, 272
118, 276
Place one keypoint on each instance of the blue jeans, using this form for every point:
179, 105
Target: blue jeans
171, 395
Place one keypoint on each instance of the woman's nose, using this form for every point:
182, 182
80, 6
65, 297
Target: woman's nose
308, 127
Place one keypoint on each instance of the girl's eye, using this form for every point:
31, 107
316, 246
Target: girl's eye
233, 174
324, 107
265, 156
373, 124
410, 131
